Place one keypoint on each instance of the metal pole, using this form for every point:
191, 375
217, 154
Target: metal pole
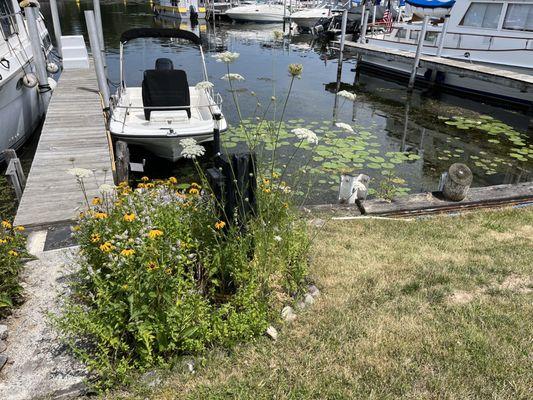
418, 53
38, 56
100, 32
374, 18
365, 26
284, 13
363, 11
57, 26
216, 133
97, 55
341, 57
443, 35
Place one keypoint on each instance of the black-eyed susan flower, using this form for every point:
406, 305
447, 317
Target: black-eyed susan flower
172, 180
155, 233
145, 179
193, 190
129, 217
96, 201
6, 224
106, 247
95, 238
219, 225
100, 215
20, 228
13, 253
127, 252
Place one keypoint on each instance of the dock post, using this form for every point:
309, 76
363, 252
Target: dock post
98, 63
38, 55
57, 26
122, 162
100, 32
418, 53
364, 21
443, 35
216, 133
14, 172
341, 58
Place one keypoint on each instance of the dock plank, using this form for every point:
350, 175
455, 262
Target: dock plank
73, 135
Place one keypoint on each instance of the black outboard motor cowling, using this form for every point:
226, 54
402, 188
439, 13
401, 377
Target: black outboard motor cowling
164, 64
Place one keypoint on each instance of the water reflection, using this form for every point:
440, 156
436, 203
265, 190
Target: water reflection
387, 122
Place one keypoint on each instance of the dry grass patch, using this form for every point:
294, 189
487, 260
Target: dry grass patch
384, 326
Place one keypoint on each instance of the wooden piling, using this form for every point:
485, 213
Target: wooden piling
122, 162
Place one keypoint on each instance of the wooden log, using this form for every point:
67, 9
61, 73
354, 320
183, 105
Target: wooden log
122, 162
457, 182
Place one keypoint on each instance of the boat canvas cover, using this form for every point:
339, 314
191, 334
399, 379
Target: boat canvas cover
159, 33
431, 3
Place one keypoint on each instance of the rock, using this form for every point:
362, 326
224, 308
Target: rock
308, 299
3, 360
317, 222
313, 291
190, 366
288, 314
3, 346
272, 332
3, 332
300, 305
151, 379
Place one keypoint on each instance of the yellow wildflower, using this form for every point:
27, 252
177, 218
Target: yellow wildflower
266, 181
168, 271
150, 185
266, 190
125, 287
141, 186
3, 241
195, 185
194, 191
6, 224
155, 233
129, 217
13, 253
151, 266
20, 228
100, 215
172, 180
275, 175
76, 228
220, 224
106, 247
127, 252
96, 201
123, 184
145, 179
95, 238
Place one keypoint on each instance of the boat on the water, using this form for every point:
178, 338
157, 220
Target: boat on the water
180, 9
21, 106
267, 12
165, 109
309, 18
494, 33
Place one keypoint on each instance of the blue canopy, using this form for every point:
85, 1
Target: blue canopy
431, 3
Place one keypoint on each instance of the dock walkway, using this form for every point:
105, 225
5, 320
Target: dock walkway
507, 78
73, 135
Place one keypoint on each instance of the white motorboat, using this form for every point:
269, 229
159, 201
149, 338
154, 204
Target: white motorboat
495, 33
165, 109
307, 19
258, 13
21, 106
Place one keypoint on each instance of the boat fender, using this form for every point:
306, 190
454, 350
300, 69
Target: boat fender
30, 80
28, 3
52, 67
52, 83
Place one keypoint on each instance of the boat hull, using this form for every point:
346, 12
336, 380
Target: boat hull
258, 13
178, 12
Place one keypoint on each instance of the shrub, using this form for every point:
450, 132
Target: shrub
161, 275
12, 251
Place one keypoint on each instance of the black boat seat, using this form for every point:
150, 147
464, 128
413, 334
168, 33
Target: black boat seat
165, 88
164, 64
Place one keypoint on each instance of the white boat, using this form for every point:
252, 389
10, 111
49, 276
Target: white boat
307, 19
180, 9
165, 109
258, 13
495, 33
21, 106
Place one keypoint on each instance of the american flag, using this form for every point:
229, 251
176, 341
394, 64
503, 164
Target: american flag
387, 20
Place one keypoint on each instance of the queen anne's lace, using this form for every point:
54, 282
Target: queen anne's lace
233, 77
80, 172
344, 126
347, 95
226, 57
306, 134
191, 149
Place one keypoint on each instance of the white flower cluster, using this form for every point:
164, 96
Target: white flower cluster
204, 85
344, 126
347, 95
232, 77
191, 149
80, 172
306, 134
106, 188
226, 57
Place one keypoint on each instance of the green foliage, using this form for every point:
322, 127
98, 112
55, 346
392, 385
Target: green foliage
162, 275
12, 251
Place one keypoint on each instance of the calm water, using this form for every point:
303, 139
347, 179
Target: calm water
412, 140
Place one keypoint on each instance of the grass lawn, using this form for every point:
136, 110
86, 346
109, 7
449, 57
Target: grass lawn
440, 308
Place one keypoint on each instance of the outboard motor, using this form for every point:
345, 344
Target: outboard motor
192, 13
164, 64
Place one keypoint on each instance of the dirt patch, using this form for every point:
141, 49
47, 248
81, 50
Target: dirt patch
522, 232
516, 283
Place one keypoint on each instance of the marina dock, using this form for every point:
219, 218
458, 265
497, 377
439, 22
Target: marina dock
507, 78
73, 135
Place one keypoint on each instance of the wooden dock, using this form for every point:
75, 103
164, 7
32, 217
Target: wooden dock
502, 77
73, 135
